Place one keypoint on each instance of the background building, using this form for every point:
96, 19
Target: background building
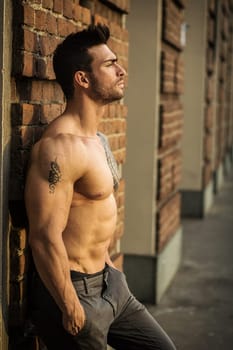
172, 135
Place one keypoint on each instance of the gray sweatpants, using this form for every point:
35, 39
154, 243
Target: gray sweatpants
113, 316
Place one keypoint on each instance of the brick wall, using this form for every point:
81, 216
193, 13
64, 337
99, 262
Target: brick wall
210, 91
228, 78
38, 26
171, 122
224, 59
218, 77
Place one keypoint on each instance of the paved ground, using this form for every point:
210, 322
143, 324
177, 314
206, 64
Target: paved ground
197, 309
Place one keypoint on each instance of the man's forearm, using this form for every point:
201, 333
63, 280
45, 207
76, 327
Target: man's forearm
52, 265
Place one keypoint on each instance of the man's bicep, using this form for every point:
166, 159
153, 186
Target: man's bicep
47, 204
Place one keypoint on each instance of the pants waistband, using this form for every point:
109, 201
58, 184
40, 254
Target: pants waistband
77, 275
91, 282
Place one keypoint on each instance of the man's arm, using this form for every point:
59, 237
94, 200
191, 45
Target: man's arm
48, 196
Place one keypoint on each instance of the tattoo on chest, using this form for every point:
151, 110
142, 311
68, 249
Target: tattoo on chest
54, 176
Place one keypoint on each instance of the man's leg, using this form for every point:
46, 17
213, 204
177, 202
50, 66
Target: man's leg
136, 329
133, 327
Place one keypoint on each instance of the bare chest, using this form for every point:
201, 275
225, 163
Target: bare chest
97, 182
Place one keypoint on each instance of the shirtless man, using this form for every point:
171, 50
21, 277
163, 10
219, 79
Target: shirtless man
78, 299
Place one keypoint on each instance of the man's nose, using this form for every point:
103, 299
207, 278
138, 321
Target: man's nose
121, 71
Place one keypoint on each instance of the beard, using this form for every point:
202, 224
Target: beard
104, 95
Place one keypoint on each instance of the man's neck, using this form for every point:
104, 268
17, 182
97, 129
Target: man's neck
87, 114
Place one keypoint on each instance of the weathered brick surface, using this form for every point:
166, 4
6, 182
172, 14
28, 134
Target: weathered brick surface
172, 20
170, 123
38, 27
169, 174
224, 85
210, 84
168, 220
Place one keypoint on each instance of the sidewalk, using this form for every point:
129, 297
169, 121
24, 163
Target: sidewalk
197, 309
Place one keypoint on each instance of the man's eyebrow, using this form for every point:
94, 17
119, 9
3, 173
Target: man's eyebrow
113, 59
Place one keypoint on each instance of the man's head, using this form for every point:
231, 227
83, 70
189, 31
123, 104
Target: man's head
72, 55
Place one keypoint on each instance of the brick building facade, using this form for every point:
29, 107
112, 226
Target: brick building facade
207, 104
38, 27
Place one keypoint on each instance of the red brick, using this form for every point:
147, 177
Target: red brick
49, 69
27, 113
68, 8
168, 220
51, 23
77, 12
208, 146
58, 6
100, 19
50, 112
29, 15
28, 65
86, 16
48, 4
72, 28
65, 27
40, 20
209, 117
36, 90
30, 41
207, 173
58, 94
48, 44
40, 67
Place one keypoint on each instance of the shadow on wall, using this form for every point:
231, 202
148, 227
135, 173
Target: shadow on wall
20, 330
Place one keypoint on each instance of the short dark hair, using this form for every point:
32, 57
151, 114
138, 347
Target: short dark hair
72, 55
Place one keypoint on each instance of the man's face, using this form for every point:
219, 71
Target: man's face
107, 76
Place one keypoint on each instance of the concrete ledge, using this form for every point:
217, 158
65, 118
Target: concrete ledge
149, 276
168, 262
195, 204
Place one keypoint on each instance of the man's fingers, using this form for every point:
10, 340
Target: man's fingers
75, 330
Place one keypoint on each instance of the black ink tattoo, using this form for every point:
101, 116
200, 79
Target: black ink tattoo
54, 176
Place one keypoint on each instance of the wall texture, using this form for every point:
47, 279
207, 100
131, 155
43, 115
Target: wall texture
218, 112
38, 26
171, 122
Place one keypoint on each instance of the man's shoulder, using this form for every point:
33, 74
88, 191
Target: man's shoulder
62, 143
63, 148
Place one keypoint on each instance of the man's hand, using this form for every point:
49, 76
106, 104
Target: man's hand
74, 321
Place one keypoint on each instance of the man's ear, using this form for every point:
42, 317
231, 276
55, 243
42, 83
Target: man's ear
81, 79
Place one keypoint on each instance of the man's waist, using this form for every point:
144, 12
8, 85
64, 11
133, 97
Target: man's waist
77, 275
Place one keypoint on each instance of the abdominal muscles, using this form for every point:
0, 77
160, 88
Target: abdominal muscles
88, 233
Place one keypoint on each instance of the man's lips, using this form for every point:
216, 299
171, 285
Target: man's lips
121, 83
